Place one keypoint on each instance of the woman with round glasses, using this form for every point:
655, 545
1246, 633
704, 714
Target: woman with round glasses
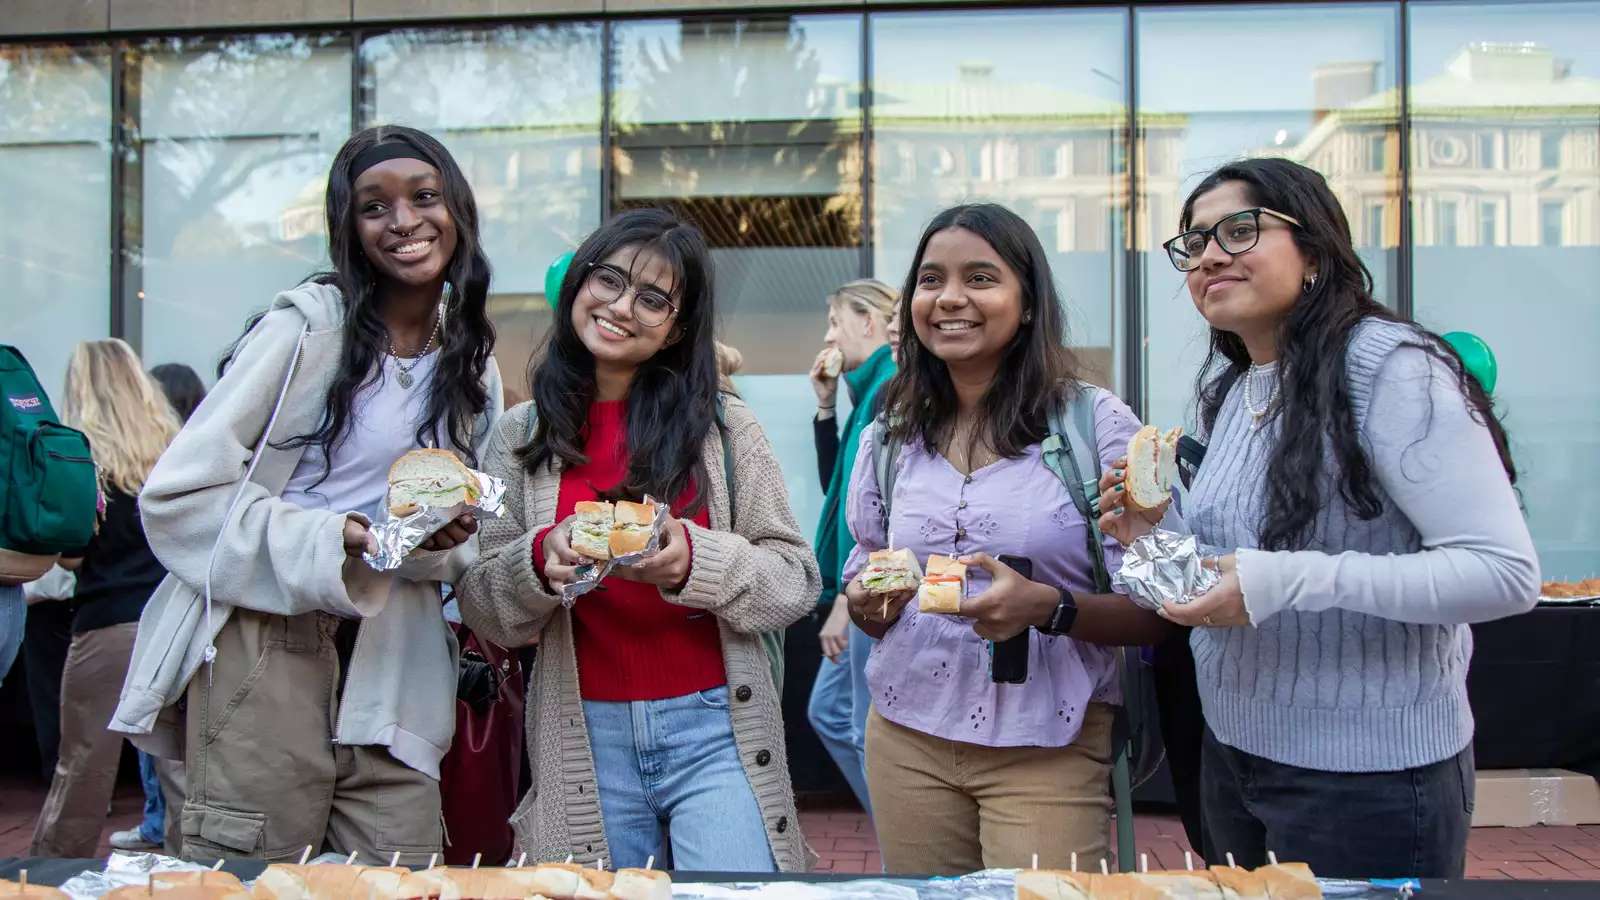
653, 716
1359, 490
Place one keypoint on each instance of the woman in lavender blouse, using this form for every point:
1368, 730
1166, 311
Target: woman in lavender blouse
965, 773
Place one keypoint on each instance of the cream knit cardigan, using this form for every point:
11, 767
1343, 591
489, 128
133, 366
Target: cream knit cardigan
760, 577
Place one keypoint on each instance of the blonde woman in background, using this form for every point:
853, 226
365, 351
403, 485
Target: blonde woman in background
129, 423
859, 320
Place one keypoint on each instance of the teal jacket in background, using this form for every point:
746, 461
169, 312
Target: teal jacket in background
834, 542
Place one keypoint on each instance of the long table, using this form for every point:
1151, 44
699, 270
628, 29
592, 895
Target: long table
56, 871
1534, 685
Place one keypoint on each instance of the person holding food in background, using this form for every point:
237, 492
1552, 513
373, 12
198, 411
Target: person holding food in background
1358, 487
965, 773
653, 710
321, 692
857, 352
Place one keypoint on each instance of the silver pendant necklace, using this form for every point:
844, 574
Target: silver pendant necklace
1266, 371
404, 377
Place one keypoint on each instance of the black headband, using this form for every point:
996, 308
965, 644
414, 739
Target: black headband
384, 152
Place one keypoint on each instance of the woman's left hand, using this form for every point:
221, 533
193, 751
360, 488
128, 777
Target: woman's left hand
453, 534
1010, 604
668, 567
1220, 607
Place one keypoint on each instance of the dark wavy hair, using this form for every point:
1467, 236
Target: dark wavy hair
182, 386
456, 394
1037, 368
672, 402
1314, 400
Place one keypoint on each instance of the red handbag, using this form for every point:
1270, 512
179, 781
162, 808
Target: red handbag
479, 779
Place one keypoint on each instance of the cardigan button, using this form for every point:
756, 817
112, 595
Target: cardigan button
763, 757
783, 824
743, 693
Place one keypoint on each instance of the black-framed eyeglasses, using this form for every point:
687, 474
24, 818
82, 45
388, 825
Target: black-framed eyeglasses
608, 284
1235, 234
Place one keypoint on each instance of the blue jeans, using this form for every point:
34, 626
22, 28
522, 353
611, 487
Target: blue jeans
670, 768
13, 618
153, 828
838, 712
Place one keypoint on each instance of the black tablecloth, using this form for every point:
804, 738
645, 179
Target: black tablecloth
56, 871
1534, 686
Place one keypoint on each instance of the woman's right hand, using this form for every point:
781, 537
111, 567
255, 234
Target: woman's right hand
827, 387
561, 562
874, 612
1116, 519
835, 634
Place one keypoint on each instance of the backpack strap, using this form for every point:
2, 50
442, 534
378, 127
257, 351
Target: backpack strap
1068, 449
885, 453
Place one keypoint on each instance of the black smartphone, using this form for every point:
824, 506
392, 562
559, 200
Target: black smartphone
1008, 659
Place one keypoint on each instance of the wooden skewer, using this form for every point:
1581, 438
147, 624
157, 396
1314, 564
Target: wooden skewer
569, 859
651, 862
522, 860
1074, 860
476, 859
600, 864
351, 859
1036, 862
1231, 863
433, 859
1188, 860
1144, 863
217, 867
1104, 868
394, 861
1272, 857
305, 855
22, 888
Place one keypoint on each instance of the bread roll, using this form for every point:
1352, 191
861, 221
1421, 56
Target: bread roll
1152, 467
630, 530
590, 533
433, 478
641, 884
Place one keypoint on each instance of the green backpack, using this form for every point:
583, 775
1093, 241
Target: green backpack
48, 490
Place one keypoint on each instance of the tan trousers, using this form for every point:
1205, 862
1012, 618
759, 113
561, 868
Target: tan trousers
943, 807
265, 779
86, 772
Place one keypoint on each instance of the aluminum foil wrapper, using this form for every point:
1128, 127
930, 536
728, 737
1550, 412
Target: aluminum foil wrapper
990, 884
589, 576
1163, 567
396, 537
124, 869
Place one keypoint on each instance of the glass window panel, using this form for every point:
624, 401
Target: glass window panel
751, 128
975, 93
235, 138
55, 163
1311, 82
519, 109
1524, 78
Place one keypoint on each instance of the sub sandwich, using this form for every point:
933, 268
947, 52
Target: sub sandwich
943, 585
433, 478
1152, 467
891, 571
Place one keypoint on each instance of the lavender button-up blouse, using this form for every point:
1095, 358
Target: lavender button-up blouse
931, 672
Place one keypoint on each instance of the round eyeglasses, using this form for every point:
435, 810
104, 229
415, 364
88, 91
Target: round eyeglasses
608, 284
1235, 234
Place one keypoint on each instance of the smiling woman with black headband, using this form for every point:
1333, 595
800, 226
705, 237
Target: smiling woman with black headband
321, 693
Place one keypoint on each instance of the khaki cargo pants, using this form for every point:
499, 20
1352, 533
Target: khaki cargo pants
265, 779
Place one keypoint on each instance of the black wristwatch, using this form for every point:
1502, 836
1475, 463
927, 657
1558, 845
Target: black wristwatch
1066, 613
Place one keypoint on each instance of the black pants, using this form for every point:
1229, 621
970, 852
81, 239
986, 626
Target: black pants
1412, 822
46, 639
1183, 730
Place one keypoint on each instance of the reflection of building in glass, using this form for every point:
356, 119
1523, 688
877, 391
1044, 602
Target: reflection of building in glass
1504, 151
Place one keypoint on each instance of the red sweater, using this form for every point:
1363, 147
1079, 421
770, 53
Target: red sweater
631, 643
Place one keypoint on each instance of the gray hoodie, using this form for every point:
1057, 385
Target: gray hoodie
275, 557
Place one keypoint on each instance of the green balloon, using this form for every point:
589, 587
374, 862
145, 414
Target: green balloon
1477, 357
553, 277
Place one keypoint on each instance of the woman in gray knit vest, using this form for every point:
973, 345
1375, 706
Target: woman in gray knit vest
1358, 490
